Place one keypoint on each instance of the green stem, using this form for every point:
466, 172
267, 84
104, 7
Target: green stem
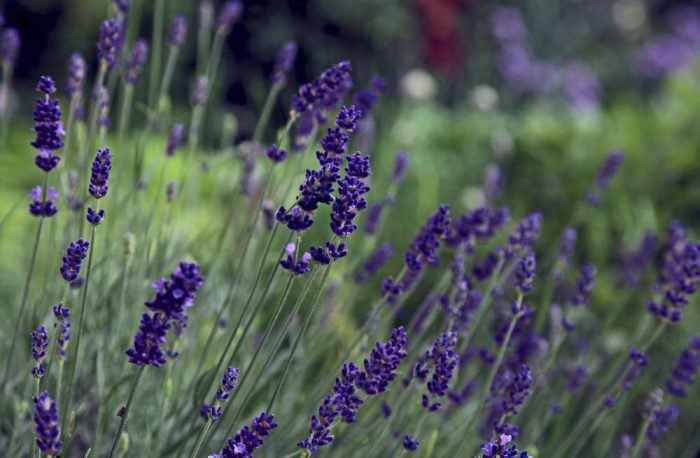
25, 296
125, 412
639, 442
36, 452
7, 72
156, 55
200, 438
126, 111
504, 347
168, 75
266, 112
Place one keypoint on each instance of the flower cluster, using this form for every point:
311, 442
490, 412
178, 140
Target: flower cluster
98, 183
169, 307
525, 234
607, 172
175, 139
367, 98
110, 41
47, 429
585, 285
638, 361
498, 448
48, 128
284, 62
40, 342
374, 262
687, 366
136, 61
40, 207
478, 225
525, 273
178, 31
226, 386
442, 360
73, 259
62, 324
324, 93
248, 439
410, 443
380, 369
77, 74
517, 390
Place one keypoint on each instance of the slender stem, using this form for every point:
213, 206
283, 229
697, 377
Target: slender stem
125, 412
36, 452
304, 327
200, 438
504, 347
126, 111
389, 421
266, 112
168, 75
639, 441
5, 89
25, 296
157, 39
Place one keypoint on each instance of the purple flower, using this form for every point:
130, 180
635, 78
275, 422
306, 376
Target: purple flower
325, 92
176, 294
77, 72
95, 217
367, 98
478, 225
148, 341
61, 314
293, 265
582, 87
122, 6
443, 360
276, 154
102, 100
178, 31
345, 401
507, 25
9, 46
40, 342
43, 208
136, 61
607, 172
374, 215
638, 361
400, 167
499, 448
230, 14
47, 430
567, 245
577, 376
248, 439
410, 444
493, 183
109, 41
175, 139
375, 262
100, 173
48, 128
526, 233
636, 262
517, 390
226, 386
71, 262
687, 366
525, 273
201, 90
662, 419
585, 285
284, 62
348, 117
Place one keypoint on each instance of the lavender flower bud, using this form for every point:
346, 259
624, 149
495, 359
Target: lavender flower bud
201, 90
229, 15
410, 444
62, 324
48, 127
136, 61
275, 154
178, 31
585, 285
607, 172
687, 367
663, 420
638, 361
443, 360
525, 274
100, 173
250, 438
518, 390
77, 72
400, 167
175, 139
526, 233
284, 62
499, 448
40, 342
109, 42
43, 208
103, 101
47, 430
375, 262
73, 259
9, 46
493, 183
227, 385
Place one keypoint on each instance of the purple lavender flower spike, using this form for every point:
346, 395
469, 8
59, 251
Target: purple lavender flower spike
400, 167
95, 217
136, 61
175, 139
662, 420
122, 6
374, 215
47, 430
525, 273
226, 386
284, 62
9, 46
380, 369
250, 438
40, 342
585, 285
348, 117
324, 93
687, 367
48, 128
73, 259
148, 341
100, 173
375, 262
443, 360
275, 154
229, 15
517, 390
607, 172
499, 448
178, 31
62, 324
201, 91
109, 42
410, 444
43, 208
525, 234
77, 72
102, 99
638, 361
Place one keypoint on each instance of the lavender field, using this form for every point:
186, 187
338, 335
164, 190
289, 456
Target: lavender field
441, 228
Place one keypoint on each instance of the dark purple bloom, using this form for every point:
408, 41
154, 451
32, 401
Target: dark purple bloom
230, 14
47, 429
244, 443
175, 139
517, 390
442, 360
526, 233
46, 85
276, 154
109, 41
40, 207
293, 265
284, 62
226, 386
136, 61
95, 217
62, 324
638, 361
178, 31
348, 117
374, 262
367, 98
71, 262
100, 173
77, 72
687, 366
379, 370
48, 127
295, 219
478, 225
122, 5
40, 342
525, 273
400, 167
176, 294
410, 444
148, 341
325, 92
498, 448
607, 172
585, 285
662, 420
9, 46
